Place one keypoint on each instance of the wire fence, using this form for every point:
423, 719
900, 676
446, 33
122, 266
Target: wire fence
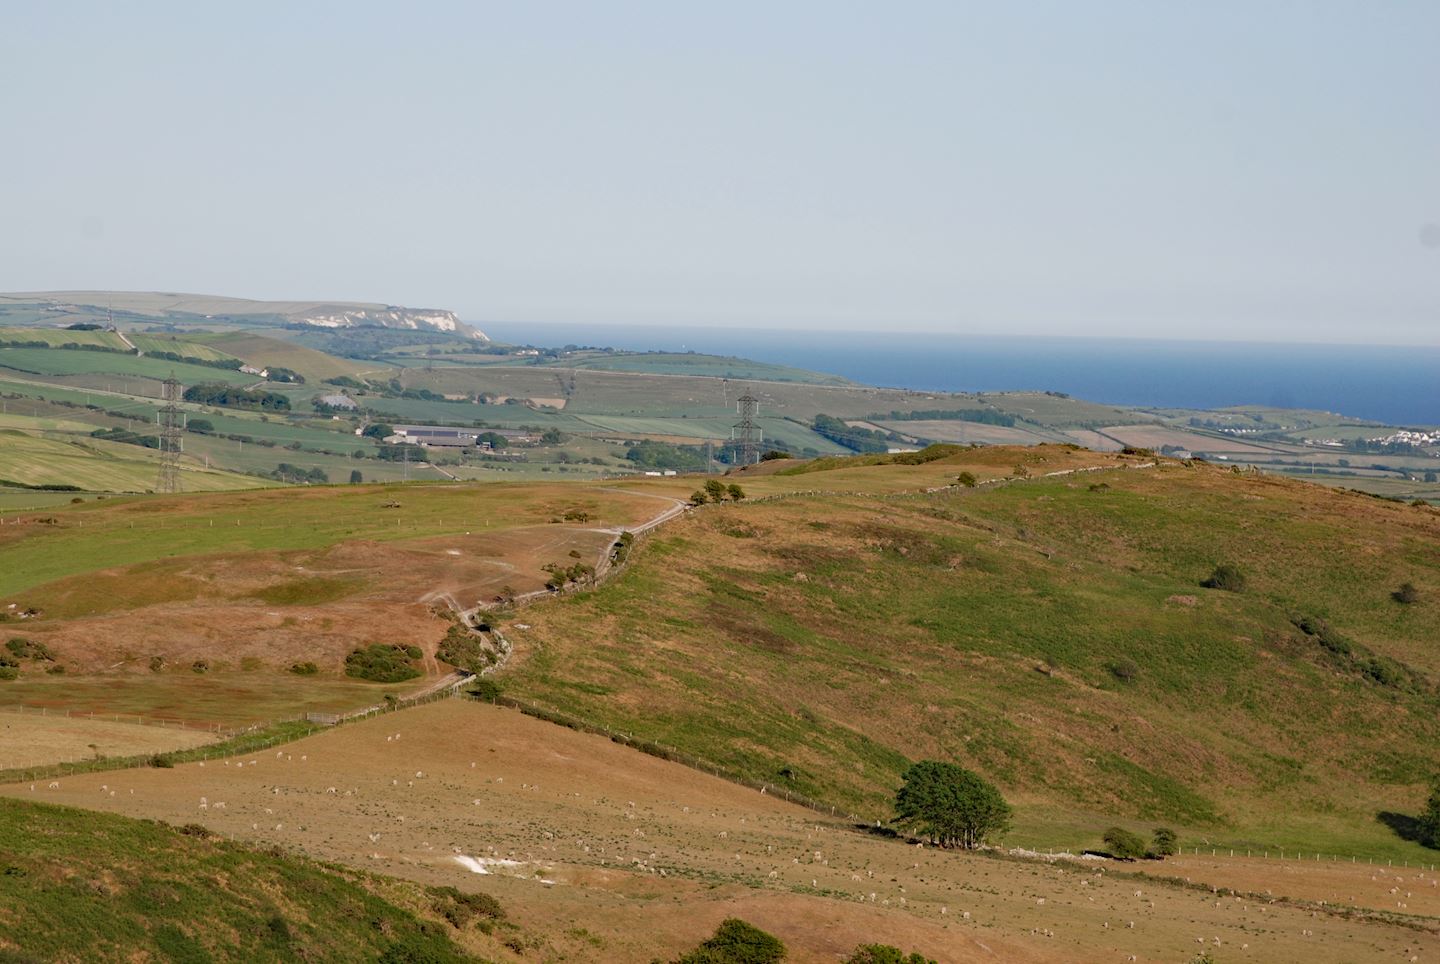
172, 723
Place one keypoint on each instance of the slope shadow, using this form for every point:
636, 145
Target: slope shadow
1405, 826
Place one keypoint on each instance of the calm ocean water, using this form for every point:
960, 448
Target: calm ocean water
1398, 385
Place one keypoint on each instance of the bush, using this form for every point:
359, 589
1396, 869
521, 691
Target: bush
484, 690
1429, 823
774, 454
885, 954
380, 663
1124, 845
306, 668
30, 649
1407, 594
736, 942
1123, 669
161, 761
968, 480
200, 666
1165, 843
414, 652
461, 909
1226, 577
698, 497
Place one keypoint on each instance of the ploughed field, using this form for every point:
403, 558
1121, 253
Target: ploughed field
604, 854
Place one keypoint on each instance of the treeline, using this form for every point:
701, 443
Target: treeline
984, 416
126, 436
862, 440
230, 396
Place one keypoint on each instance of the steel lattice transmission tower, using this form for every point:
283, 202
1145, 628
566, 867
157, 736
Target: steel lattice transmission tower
746, 433
171, 438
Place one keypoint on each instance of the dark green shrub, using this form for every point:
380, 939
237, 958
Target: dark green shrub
30, 649
461, 909
306, 668
485, 690
1407, 594
968, 480
414, 652
1165, 843
380, 663
200, 666
737, 942
885, 954
1124, 670
161, 761
1123, 844
1226, 577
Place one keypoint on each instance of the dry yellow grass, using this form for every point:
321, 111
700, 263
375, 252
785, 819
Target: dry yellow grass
28, 740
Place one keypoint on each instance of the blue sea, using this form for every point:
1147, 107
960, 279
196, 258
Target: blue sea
1393, 384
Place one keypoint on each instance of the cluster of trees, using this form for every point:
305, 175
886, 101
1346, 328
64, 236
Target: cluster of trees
716, 491
285, 472
855, 439
230, 396
650, 454
562, 576
288, 375
403, 452
1124, 845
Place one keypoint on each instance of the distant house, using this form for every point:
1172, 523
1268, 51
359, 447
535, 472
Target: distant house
252, 370
443, 436
339, 401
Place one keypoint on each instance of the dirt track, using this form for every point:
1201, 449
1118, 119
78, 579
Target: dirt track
649, 855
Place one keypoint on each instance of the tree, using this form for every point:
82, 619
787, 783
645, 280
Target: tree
1123, 844
378, 430
1407, 594
715, 490
1165, 843
698, 497
966, 479
737, 942
951, 805
355, 477
774, 454
1226, 577
736, 493
552, 436
1430, 819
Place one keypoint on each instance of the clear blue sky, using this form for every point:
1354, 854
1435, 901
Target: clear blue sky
1260, 169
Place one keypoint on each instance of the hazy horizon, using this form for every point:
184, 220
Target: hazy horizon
1118, 169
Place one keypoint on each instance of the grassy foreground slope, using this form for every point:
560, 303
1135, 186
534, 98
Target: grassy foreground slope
1051, 633
80, 886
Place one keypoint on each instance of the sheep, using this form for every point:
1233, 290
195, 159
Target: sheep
54, 785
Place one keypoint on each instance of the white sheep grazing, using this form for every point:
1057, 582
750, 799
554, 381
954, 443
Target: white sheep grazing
220, 805
419, 774
330, 790
374, 837
54, 785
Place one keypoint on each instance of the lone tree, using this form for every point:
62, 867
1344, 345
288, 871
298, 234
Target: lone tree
951, 805
735, 492
715, 490
1430, 819
1165, 843
737, 942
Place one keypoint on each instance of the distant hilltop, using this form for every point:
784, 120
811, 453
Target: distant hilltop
151, 306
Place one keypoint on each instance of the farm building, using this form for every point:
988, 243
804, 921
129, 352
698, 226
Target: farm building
442, 436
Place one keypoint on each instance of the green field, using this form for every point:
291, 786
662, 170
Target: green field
62, 336
100, 466
120, 533
186, 347
41, 361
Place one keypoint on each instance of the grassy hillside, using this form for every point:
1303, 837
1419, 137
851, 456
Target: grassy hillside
84, 886
1052, 633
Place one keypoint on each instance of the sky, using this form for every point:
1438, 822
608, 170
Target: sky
1257, 170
